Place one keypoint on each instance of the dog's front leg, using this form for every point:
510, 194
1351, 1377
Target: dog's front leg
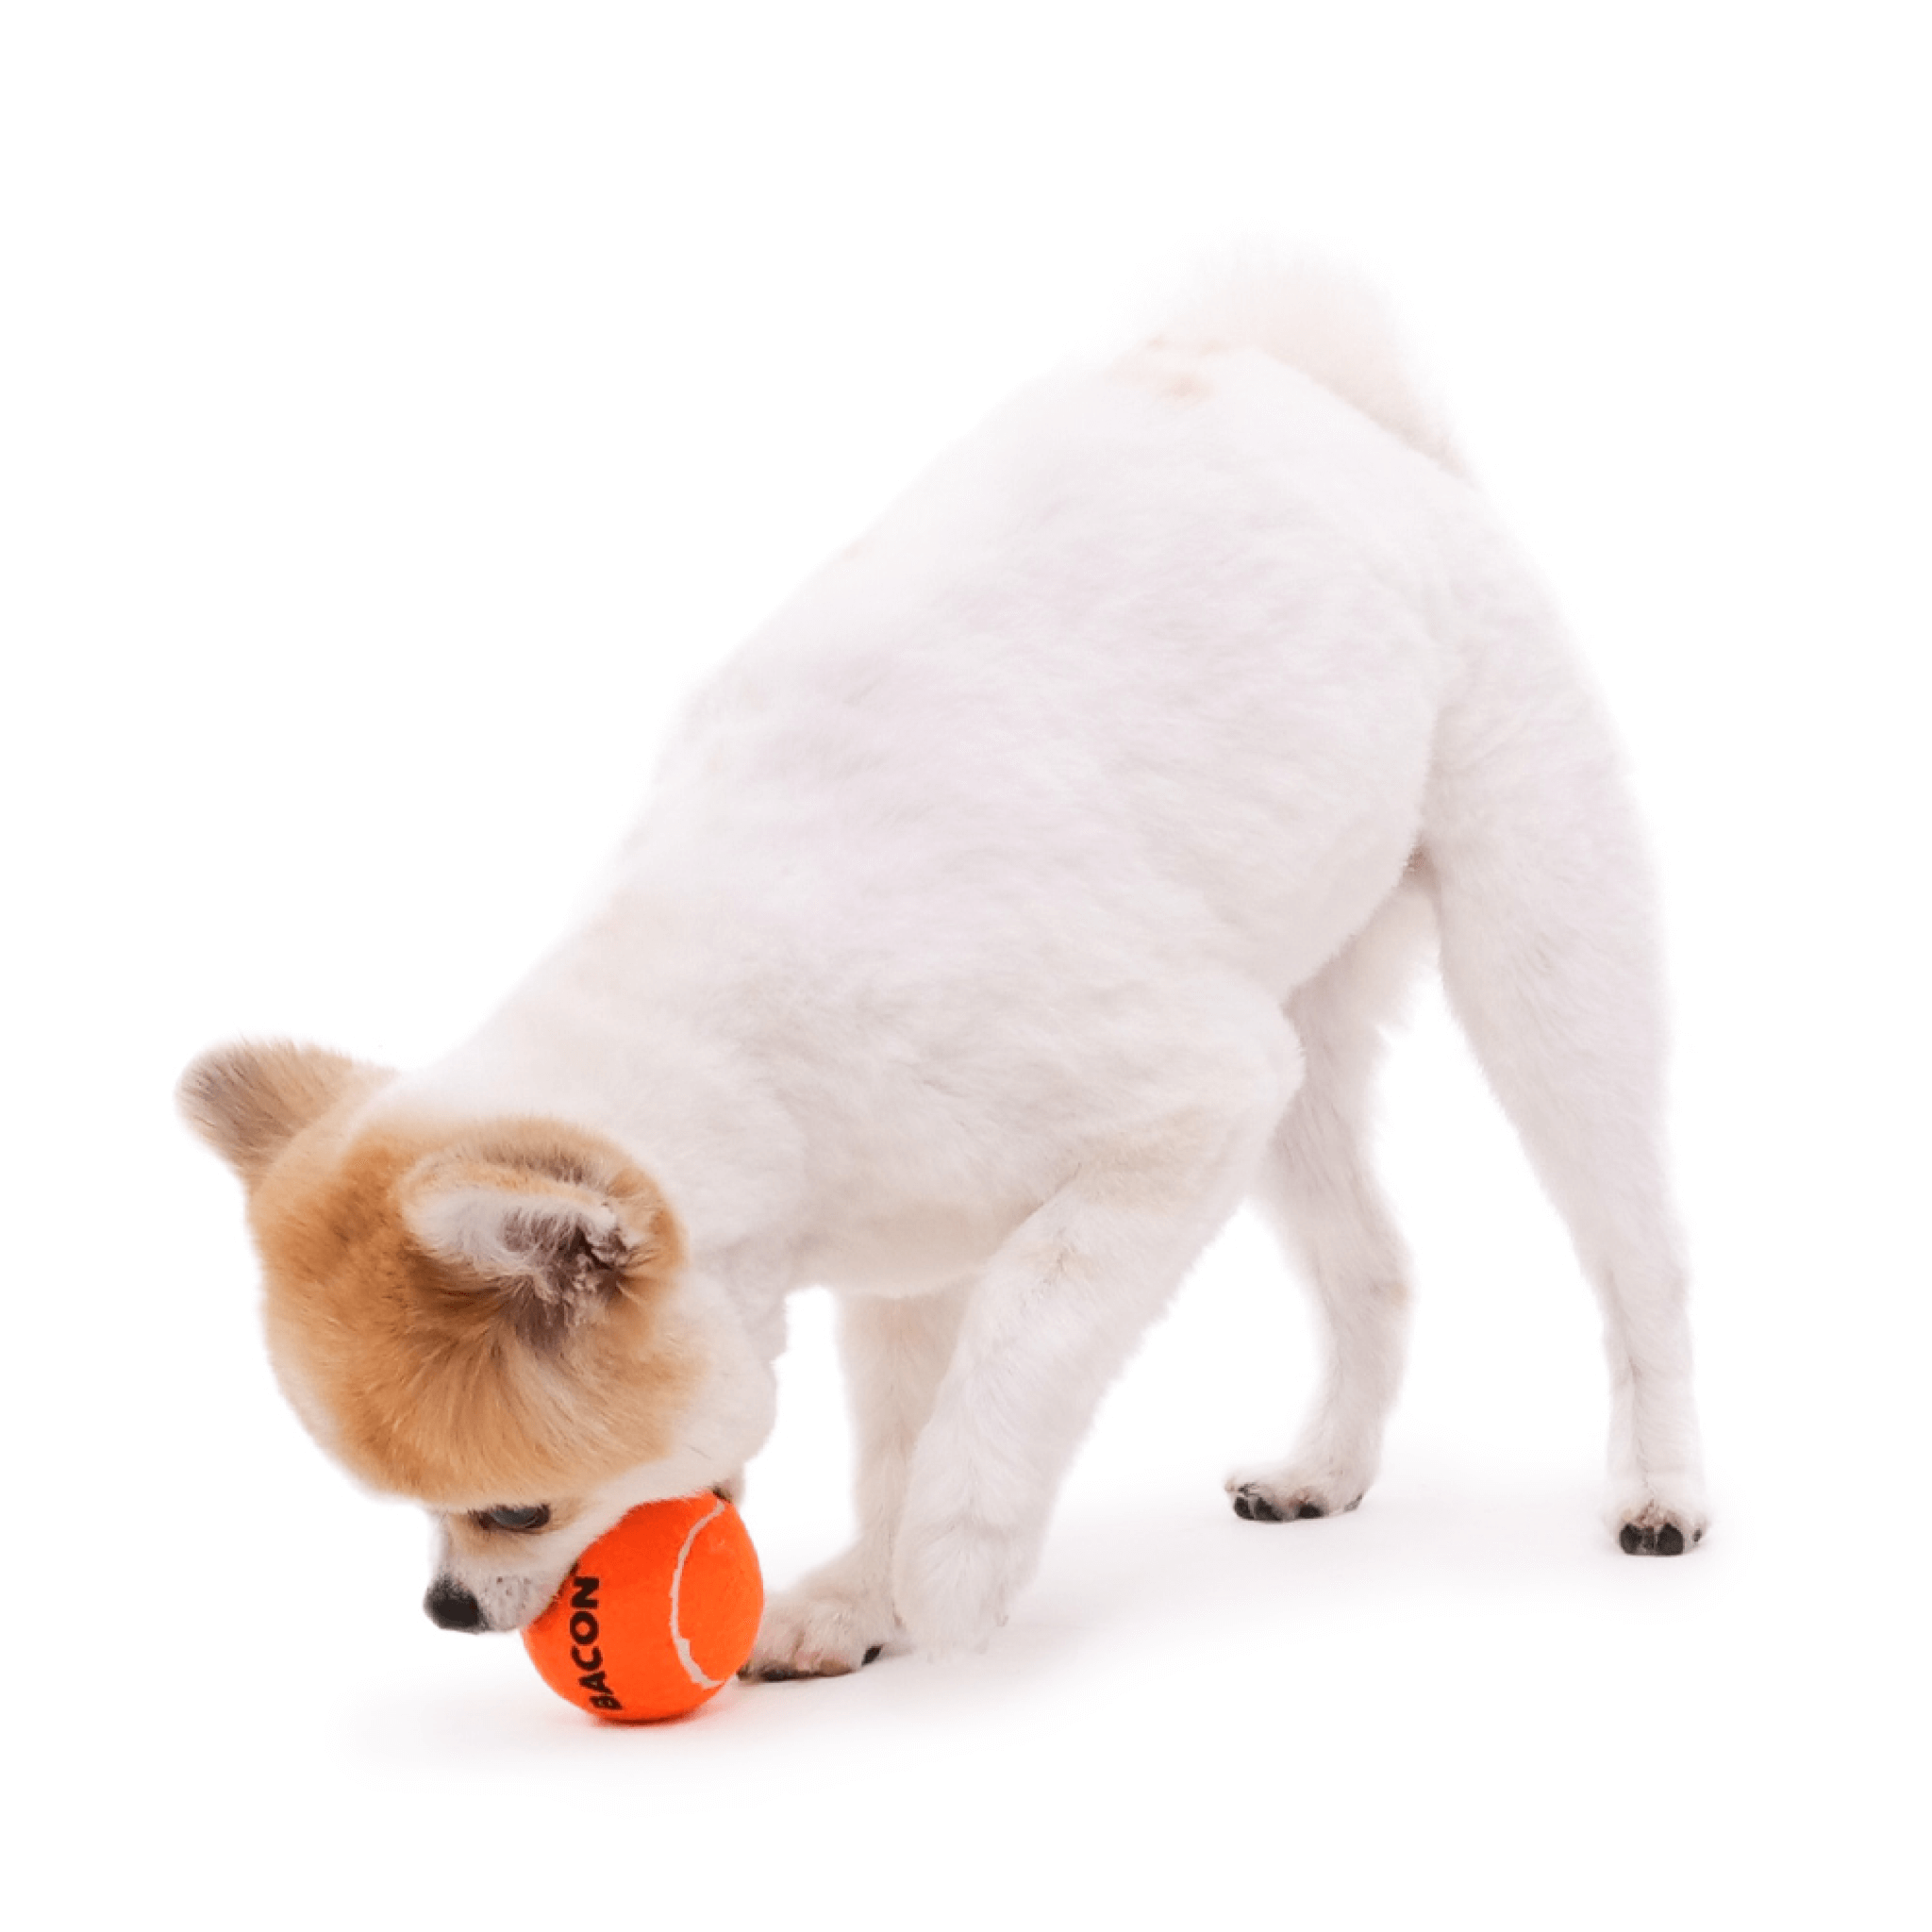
1057, 1312
895, 1352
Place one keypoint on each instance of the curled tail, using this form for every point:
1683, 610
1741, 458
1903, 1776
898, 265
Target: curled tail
1334, 327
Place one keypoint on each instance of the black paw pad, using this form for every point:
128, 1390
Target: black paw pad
1252, 1506
1309, 1511
1667, 1542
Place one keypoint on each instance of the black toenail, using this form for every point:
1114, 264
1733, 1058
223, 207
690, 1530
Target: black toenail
872, 1656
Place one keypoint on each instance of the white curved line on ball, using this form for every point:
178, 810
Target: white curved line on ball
677, 1635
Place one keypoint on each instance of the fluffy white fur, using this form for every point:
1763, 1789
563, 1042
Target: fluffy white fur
1030, 890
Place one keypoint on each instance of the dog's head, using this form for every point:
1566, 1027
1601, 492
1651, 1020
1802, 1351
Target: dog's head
492, 1317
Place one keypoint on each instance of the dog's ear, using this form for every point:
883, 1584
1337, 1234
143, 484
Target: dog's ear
249, 1100
555, 1240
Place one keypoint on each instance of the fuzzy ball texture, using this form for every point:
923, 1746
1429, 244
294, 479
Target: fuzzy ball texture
656, 1616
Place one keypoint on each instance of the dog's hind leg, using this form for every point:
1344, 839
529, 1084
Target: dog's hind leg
895, 1352
1317, 1190
1550, 960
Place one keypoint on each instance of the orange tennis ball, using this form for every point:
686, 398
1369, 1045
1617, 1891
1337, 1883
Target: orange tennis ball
656, 1616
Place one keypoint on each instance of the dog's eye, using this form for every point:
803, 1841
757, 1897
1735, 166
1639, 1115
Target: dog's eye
513, 1518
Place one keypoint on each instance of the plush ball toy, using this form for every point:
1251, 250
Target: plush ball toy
656, 1616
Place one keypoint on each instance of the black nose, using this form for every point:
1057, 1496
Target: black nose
450, 1607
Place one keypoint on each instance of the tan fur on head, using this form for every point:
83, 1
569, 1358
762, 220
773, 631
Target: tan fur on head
466, 1315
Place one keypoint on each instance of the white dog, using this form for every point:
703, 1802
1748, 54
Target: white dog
1025, 895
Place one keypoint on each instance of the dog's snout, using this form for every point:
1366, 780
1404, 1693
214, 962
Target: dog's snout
450, 1607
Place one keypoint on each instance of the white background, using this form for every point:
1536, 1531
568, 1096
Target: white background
400, 403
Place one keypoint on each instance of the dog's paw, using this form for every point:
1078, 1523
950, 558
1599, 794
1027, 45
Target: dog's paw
1660, 1519
829, 1626
954, 1584
1293, 1491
